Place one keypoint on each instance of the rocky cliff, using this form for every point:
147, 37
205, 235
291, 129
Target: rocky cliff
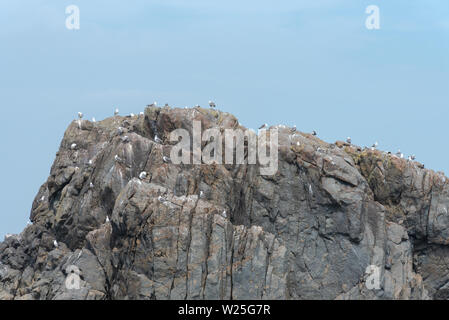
308, 232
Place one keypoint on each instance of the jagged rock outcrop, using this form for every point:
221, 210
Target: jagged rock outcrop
307, 232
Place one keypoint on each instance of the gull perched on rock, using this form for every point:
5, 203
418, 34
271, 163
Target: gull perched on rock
55, 243
141, 113
80, 115
348, 140
117, 158
161, 199
374, 146
157, 139
212, 104
165, 159
91, 185
400, 154
120, 130
223, 214
107, 219
314, 133
263, 126
142, 175
93, 119
116, 111
125, 139
73, 146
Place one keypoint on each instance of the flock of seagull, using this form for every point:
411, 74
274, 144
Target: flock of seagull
143, 175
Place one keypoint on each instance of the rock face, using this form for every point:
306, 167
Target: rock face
308, 232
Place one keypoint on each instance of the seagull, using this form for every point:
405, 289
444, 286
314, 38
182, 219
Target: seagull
348, 140
107, 219
91, 185
375, 144
90, 162
201, 193
80, 115
197, 106
125, 139
141, 113
314, 133
297, 143
119, 130
42, 198
157, 139
293, 128
73, 146
116, 111
223, 214
212, 104
166, 159
400, 154
154, 104
412, 157
161, 199
131, 114
263, 126
55, 243
29, 223
93, 119
142, 175
117, 158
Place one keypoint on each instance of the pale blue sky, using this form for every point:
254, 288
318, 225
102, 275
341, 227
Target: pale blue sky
310, 63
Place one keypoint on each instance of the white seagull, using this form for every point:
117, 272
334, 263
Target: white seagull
157, 139
117, 158
73, 146
55, 243
107, 219
142, 175
348, 140
125, 139
166, 159
116, 111
93, 119
223, 214
212, 104
80, 115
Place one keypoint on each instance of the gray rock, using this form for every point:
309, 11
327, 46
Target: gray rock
308, 232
